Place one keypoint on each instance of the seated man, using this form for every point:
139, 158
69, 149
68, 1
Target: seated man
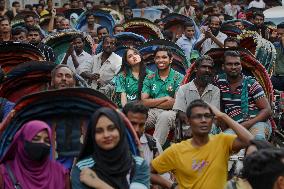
137, 114
104, 67
231, 42
201, 162
243, 98
159, 89
75, 55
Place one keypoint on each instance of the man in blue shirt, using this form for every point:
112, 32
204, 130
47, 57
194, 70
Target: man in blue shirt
187, 40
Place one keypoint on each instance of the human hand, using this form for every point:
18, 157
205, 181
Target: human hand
218, 114
246, 124
89, 177
53, 12
208, 33
95, 76
70, 50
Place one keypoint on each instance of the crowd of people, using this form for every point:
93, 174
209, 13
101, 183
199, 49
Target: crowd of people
219, 112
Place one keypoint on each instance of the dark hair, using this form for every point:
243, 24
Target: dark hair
135, 107
281, 25
125, 67
162, 48
188, 24
90, 13
259, 144
15, 3
107, 36
127, 8
53, 71
196, 103
19, 30
232, 39
168, 35
232, 54
5, 19
77, 36
117, 25
263, 167
102, 27
29, 6
260, 14
203, 58
34, 29
28, 16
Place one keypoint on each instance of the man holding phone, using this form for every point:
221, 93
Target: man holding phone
75, 54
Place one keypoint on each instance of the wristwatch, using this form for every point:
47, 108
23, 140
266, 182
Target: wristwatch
174, 185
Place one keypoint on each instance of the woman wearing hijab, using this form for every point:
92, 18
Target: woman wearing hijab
27, 165
130, 79
105, 161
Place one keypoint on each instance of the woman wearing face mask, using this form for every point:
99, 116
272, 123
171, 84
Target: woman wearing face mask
27, 165
105, 161
130, 79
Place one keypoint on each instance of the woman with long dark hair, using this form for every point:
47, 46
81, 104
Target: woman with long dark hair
105, 161
129, 82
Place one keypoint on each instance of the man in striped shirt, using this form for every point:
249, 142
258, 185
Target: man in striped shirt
243, 98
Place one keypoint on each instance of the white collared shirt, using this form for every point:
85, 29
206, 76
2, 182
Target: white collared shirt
209, 43
84, 57
107, 69
188, 93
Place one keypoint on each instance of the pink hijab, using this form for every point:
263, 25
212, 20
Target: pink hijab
46, 174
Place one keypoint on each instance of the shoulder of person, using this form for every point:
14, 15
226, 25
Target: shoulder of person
85, 163
116, 56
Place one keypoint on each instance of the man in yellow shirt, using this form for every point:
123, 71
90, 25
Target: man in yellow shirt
201, 162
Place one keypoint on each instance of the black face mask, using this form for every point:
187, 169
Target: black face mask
36, 151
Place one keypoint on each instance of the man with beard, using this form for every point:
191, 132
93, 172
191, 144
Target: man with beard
75, 54
212, 37
159, 89
91, 25
5, 30
258, 25
278, 74
186, 41
62, 77
199, 88
34, 37
243, 98
202, 161
128, 14
104, 66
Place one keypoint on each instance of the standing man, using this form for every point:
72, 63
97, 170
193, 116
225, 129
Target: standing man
202, 161
199, 88
101, 32
159, 88
104, 67
91, 24
258, 25
278, 74
34, 37
186, 41
212, 37
75, 54
128, 14
243, 98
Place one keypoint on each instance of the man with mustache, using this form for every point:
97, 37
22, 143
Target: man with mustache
199, 88
62, 77
258, 25
243, 98
212, 37
75, 54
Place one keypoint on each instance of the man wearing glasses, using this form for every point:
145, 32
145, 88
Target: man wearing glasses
202, 161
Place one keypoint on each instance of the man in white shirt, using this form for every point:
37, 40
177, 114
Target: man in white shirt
232, 8
76, 55
186, 41
91, 25
212, 37
104, 67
